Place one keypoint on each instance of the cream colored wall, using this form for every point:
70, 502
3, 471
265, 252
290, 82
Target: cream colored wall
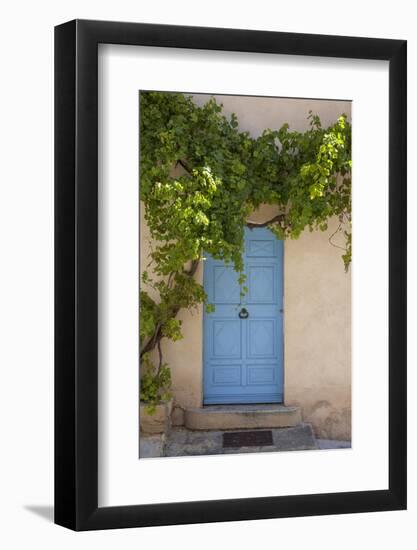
317, 360
257, 113
317, 297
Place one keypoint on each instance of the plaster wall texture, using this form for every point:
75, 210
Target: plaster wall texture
317, 295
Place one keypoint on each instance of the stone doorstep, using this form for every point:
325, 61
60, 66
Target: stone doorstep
240, 417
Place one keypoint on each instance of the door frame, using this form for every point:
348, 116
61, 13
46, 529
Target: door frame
280, 357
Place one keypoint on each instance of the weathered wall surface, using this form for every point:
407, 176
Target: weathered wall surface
317, 358
317, 333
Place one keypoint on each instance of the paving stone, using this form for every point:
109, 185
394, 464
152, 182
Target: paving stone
183, 442
333, 444
151, 446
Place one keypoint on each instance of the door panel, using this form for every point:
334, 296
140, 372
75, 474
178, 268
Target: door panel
261, 283
261, 374
261, 339
226, 338
225, 286
243, 357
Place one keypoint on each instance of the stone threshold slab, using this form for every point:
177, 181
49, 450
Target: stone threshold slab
234, 417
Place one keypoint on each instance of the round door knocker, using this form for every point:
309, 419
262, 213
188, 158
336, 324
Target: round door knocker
243, 313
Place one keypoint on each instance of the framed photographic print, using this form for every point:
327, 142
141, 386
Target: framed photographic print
230, 248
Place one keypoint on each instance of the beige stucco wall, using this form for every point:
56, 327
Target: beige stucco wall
317, 299
317, 358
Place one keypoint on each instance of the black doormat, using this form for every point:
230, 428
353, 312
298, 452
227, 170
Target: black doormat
247, 439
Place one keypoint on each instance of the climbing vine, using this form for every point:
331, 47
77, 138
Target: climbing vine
201, 177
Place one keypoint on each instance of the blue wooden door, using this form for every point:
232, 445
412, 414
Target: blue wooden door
243, 337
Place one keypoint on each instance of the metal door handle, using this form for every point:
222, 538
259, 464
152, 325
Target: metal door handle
243, 313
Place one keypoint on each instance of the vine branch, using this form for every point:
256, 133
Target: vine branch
155, 340
185, 166
332, 235
278, 218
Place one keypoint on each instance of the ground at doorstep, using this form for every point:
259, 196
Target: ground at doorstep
183, 442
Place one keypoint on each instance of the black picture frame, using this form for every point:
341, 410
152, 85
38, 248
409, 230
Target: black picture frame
76, 272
